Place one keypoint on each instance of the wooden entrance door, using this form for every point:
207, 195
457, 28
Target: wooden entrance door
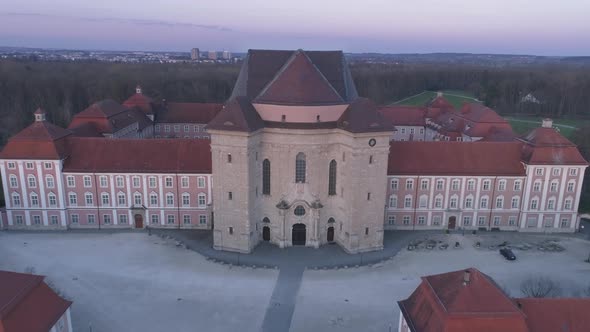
138, 221
330, 234
266, 233
298, 235
452, 222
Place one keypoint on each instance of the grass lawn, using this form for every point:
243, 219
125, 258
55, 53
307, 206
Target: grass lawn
457, 98
521, 124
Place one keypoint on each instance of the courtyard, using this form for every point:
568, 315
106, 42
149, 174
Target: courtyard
129, 281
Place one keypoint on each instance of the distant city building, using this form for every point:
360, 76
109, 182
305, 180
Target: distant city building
212, 55
195, 54
226, 55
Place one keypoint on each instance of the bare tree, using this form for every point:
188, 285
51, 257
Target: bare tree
540, 286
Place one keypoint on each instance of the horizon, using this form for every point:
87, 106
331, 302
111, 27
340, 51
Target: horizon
539, 28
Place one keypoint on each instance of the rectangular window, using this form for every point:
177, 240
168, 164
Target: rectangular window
466, 221
48, 165
196, 129
136, 181
391, 220
137, 199
152, 181
186, 128
19, 220
155, 218
34, 200
103, 181
230, 195
49, 182
70, 181
570, 187
168, 182
53, 220
91, 219
105, 199
29, 165
16, 200
481, 221
484, 203
75, 219
499, 203
167, 128
534, 204
32, 181
394, 184
439, 184
89, 200
502, 185
469, 203
406, 220
12, 165
153, 200
231, 230
515, 202
37, 220
176, 128
421, 220
567, 204
368, 196
170, 200
539, 171
517, 185
556, 171
184, 182
455, 185
186, 219
486, 185
201, 182
424, 185
512, 221
186, 200
87, 181
202, 200
438, 202
202, 219
564, 223
106, 219
119, 181
436, 220
73, 199
408, 202
409, 184
453, 203
470, 185
497, 220
121, 200
170, 219
13, 181
573, 171
157, 127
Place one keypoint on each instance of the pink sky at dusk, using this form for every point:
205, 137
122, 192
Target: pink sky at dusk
540, 27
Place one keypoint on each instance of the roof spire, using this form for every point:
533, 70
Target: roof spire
39, 115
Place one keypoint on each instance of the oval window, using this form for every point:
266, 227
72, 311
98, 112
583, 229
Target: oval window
299, 210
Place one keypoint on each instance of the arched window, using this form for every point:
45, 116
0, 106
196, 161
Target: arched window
13, 181
32, 181
423, 203
300, 168
332, 178
266, 220
15, 199
299, 211
266, 177
137, 198
331, 221
34, 199
52, 200
393, 201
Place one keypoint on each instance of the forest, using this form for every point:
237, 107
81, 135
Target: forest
65, 88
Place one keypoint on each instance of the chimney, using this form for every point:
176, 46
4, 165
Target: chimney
40, 115
138, 89
439, 94
466, 277
547, 123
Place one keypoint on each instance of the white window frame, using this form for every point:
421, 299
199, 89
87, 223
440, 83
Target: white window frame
201, 182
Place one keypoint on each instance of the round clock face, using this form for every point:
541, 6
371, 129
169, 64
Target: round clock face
372, 142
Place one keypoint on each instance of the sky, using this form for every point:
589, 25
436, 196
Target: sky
541, 27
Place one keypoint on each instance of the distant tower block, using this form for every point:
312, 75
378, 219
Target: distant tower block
40, 115
226, 55
212, 55
195, 54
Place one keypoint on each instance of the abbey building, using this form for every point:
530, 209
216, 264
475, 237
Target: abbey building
294, 157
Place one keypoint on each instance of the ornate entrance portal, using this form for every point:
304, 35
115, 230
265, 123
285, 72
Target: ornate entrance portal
298, 235
452, 222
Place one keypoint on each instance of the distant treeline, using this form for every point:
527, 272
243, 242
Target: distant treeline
65, 88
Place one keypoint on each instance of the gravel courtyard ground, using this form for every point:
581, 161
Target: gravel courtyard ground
132, 282
364, 299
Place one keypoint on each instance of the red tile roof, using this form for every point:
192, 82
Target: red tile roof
40, 140
556, 314
238, 114
446, 303
141, 101
299, 82
404, 115
440, 102
28, 304
260, 67
102, 109
201, 113
455, 158
109, 117
138, 155
545, 146
362, 116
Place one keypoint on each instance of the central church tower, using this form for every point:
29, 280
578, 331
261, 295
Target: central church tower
298, 158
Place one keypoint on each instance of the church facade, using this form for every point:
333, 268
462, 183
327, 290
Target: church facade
294, 157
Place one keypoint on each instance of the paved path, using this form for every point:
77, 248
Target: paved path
292, 262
